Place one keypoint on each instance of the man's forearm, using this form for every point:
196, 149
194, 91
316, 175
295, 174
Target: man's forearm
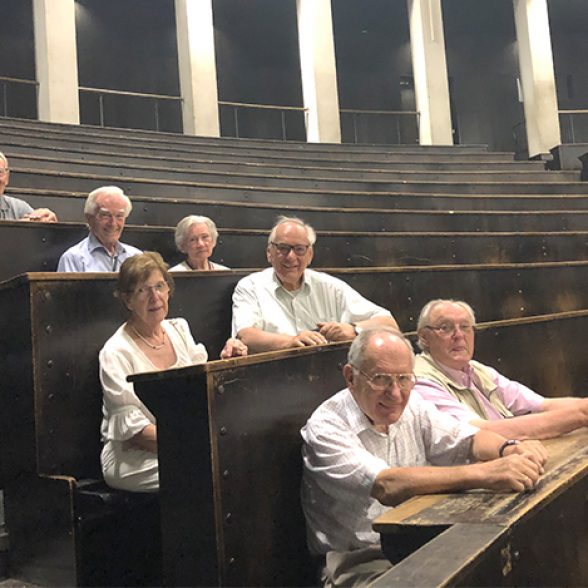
258, 340
542, 425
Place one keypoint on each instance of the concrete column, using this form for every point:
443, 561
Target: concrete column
537, 75
56, 60
319, 71
197, 65
429, 67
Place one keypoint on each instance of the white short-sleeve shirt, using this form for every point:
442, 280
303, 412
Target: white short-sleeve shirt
260, 301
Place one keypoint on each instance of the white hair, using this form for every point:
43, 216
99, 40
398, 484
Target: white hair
357, 351
310, 232
91, 208
4, 158
430, 306
183, 227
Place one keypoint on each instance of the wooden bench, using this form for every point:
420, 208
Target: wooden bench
157, 211
481, 538
18, 146
319, 179
229, 441
41, 245
286, 191
53, 333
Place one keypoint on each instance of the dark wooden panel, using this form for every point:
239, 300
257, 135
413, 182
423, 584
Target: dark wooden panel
55, 371
253, 420
41, 245
545, 355
296, 189
161, 211
380, 181
26, 149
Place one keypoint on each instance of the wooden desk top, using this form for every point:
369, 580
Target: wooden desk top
567, 463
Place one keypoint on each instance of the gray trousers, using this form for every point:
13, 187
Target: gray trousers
354, 569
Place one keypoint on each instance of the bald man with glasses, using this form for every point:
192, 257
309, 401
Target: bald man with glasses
472, 392
289, 305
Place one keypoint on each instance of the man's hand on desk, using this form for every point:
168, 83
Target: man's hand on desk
307, 338
535, 450
515, 472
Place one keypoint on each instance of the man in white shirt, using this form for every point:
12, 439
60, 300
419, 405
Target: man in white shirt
289, 305
373, 445
106, 210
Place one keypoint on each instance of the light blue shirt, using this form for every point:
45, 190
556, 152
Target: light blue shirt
13, 208
89, 255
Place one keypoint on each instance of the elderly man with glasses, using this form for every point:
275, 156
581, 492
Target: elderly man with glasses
16, 209
374, 444
106, 210
477, 394
289, 305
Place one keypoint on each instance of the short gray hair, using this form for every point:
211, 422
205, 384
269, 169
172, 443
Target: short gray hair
356, 355
4, 158
91, 208
431, 305
310, 232
186, 223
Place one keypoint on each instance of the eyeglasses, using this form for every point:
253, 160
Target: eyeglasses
144, 291
284, 249
105, 215
380, 382
4, 170
447, 329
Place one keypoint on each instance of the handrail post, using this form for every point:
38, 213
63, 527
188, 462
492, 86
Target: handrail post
354, 118
4, 100
283, 117
572, 129
101, 107
156, 105
236, 119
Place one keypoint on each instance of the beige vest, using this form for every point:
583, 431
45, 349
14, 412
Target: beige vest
427, 369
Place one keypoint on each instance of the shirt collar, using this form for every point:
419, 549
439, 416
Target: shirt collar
304, 287
94, 243
463, 377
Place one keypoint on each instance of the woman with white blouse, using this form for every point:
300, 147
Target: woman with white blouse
146, 342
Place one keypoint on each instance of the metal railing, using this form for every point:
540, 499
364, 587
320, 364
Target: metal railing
5, 81
403, 131
102, 92
283, 110
574, 125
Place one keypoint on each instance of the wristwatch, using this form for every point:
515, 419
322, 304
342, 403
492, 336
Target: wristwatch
506, 444
356, 328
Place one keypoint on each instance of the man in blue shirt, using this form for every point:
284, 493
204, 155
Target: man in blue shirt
106, 210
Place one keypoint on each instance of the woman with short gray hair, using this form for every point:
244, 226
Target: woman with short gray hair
196, 236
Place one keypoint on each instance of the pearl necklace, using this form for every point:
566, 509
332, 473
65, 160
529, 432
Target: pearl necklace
155, 347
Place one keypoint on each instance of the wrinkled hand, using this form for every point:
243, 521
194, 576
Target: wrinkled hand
233, 348
514, 472
41, 215
308, 338
534, 450
336, 331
